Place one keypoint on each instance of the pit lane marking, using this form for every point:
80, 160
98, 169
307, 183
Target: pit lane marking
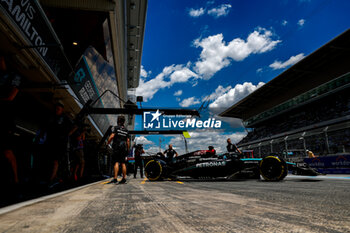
320, 177
144, 181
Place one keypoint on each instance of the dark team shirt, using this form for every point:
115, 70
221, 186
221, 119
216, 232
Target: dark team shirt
138, 152
170, 153
121, 135
231, 148
77, 140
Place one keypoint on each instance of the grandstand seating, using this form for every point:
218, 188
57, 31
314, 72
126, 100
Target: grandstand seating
320, 113
305, 107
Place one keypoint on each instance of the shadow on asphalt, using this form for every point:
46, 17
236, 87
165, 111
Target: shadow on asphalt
31, 190
188, 180
305, 180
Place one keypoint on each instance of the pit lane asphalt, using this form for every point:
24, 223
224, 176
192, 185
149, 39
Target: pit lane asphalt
297, 204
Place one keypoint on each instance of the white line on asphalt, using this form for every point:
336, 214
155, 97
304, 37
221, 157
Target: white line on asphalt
320, 177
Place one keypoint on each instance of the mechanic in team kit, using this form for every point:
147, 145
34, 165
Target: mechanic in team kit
77, 144
232, 147
138, 160
58, 129
170, 153
120, 145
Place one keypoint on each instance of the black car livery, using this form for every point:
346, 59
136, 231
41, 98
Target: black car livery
229, 165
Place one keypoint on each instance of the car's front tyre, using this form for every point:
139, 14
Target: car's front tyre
153, 170
273, 168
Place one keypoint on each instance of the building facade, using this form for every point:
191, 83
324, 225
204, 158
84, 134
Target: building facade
72, 51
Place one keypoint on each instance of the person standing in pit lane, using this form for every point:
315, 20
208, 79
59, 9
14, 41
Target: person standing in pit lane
170, 153
138, 160
77, 140
120, 145
232, 147
9, 88
59, 128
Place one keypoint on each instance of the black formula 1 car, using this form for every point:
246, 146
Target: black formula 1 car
201, 164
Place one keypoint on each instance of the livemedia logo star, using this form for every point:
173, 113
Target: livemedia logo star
155, 120
154, 123
156, 115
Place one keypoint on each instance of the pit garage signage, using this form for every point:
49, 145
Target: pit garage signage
83, 83
29, 18
337, 164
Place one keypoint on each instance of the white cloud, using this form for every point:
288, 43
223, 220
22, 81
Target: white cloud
216, 54
210, 2
144, 73
189, 102
233, 122
168, 77
301, 22
228, 98
194, 83
216, 12
201, 139
178, 99
223, 98
143, 140
178, 93
181, 75
284, 22
291, 61
232, 96
220, 90
151, 150
259, 70
196, 12
219, 11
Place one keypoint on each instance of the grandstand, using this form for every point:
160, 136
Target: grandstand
305, 107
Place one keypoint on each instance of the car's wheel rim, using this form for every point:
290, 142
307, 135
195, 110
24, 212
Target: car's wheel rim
271, 168
153, 170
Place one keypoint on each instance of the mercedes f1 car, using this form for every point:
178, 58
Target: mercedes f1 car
201, 164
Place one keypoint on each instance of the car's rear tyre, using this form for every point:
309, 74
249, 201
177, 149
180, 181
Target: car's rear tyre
273, 168
153, 170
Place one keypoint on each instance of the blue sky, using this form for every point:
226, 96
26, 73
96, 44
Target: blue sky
222, 51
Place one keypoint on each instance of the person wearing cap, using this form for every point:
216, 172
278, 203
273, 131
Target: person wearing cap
58, 130
121, 146
310, 154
